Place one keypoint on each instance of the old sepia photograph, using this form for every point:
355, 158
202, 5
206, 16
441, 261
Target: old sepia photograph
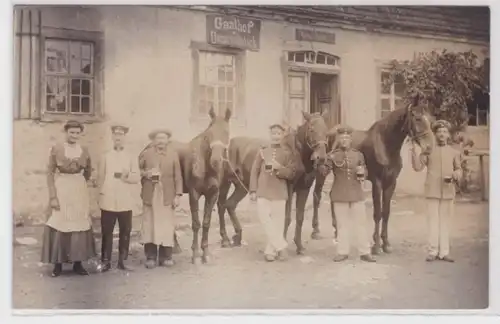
250, 157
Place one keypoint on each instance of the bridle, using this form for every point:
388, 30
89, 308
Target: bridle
313, 145
408, 123
219, 143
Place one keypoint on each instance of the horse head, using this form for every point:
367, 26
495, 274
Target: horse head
313, 133
217, 137
418, 126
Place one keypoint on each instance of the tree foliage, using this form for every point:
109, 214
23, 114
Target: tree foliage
445, 81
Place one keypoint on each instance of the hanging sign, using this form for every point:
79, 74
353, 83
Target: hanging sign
233, 32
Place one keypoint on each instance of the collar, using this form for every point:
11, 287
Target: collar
118, 149
275, 145
161, 151
441, 144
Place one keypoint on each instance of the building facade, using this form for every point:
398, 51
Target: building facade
165, 66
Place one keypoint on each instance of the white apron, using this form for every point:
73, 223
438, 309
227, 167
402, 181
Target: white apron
73, 196
158, 221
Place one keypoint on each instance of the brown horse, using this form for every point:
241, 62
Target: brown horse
308, 143
202, 165
381, 145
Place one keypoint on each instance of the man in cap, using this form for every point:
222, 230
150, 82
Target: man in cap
443, 169
162, 187
347, 196
272, 168
117, 171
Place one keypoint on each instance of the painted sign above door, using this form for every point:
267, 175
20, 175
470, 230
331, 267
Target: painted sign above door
314, 36
233, 32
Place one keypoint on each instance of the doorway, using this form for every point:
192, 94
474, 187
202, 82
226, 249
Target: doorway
315, 93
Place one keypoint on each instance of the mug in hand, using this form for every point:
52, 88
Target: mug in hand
118, 175
155, 177
360, 173
268, 167
448, 179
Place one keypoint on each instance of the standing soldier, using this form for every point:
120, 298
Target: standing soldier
271, 169
443, 169
161, 190
116, 172
347, 196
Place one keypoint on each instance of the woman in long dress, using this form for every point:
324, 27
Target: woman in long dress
68, 235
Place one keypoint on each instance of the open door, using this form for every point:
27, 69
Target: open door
298, 97
325, 96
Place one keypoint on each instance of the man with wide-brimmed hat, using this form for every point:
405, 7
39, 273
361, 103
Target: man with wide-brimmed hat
162, 187
117, 171
347, 196
271, 169
443, 169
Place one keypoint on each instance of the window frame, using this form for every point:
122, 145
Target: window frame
239, 112
392, 96
97, 61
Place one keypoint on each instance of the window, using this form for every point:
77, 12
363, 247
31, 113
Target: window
391, 94
311, 57
69, 76
217, 82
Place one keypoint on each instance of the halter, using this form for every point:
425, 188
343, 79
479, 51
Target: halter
312, 146
413, 137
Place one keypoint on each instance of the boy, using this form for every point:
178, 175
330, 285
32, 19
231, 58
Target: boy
271, 170
443, 169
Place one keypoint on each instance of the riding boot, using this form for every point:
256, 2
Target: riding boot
57, 270
79, 269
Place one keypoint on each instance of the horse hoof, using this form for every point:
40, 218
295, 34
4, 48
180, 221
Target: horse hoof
301, 251
225, 243
316, 236
387, 249
375, 250
205, 259
236, 240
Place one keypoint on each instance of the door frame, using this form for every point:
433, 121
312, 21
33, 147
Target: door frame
287, 67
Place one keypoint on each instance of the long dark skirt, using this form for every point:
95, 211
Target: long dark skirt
60, 247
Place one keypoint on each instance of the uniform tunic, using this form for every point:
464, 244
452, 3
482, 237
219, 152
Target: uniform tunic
158, 224
347, 199
272, 191
441, 162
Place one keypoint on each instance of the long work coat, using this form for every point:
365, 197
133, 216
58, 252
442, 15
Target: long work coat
158, 219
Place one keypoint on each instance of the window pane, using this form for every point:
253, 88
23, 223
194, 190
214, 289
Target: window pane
86, 89
86, 67
56, 56
222, 74
85, 105
74, 57
51, 84
211, 75
87, 51
399, 89
57, 93
75, 86
51, 104
330, 60
210, 94
386, 83
385, 104
300, 57
290, 56
75, 104
230, 94
221, 94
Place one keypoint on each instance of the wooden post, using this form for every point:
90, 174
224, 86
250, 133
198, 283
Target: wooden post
482, 174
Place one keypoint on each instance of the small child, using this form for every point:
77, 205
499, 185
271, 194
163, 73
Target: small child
271, 170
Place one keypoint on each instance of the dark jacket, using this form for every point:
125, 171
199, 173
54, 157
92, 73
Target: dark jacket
272, 185
346, 187
170, 174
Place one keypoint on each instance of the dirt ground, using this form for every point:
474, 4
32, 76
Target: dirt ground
238, 278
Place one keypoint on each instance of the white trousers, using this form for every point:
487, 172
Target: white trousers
349, 214
439, 212
272, 216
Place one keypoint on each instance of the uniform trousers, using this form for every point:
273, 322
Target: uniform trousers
272, 216
439, 212
349, 215
108, 221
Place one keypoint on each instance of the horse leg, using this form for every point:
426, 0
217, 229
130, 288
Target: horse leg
318, 190
288, 212
231, 204
377, 215
210, 200
194, 197
221, 208
334, 220
386, 211
300, 210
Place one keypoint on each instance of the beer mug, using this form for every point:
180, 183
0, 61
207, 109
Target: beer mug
448, 179
155, 177
360, 172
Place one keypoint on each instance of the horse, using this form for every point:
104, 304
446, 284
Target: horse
381, 146
308, 144
202, 162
